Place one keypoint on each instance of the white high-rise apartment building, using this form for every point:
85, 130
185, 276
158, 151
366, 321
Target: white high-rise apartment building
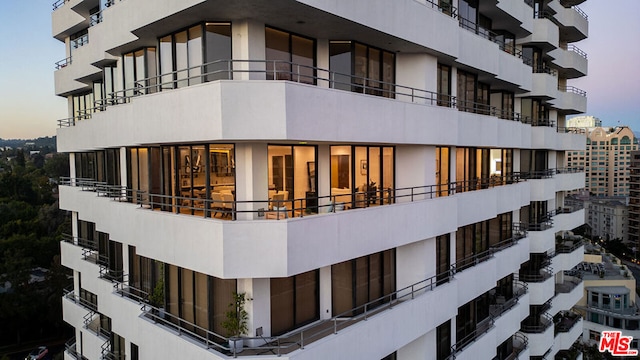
379, 180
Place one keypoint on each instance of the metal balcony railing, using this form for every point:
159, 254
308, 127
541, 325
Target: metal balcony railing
63, 63
572, 89
519, 289
540, 276
536, 324
575, 49
581, 12
59, 3
475, 259
81, 41
297, 339
81, 242
570, 283
80, 301
95, 18
279, 209
489, 35
543, 69
288, 71
481, 328
565, 322
520, 344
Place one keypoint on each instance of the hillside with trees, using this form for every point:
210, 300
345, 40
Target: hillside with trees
31, 226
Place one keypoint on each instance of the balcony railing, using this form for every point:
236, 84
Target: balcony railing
542, 275
489, 35
574, 49
570, 283
81, 41
565, 322
475, 259
520, 343
579, 11
543, 223
536, 325
63, 63
95, 18
81, 301
70, 348
538, 122
280, 209
59, 3
282, 70
297, 339
501, 306
572, 89
570, 170
543, 69
481, 328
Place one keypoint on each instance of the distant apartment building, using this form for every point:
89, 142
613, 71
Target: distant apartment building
606, 160
634, 199
585, 121
609, 302
607, 217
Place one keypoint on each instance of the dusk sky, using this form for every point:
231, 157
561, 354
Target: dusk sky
29, 108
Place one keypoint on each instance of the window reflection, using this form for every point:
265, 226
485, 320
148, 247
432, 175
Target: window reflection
291, 57
187, 55
372, 70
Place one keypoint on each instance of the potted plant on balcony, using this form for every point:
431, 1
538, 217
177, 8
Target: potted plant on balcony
156, 298
236, 322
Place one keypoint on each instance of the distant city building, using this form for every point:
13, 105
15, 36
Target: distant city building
609, 301
606, 160
607, 217
584, 122
634, 199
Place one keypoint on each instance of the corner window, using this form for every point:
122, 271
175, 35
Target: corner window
289, 57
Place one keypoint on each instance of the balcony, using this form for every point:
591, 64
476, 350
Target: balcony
568, 254
567, 293
540, 332
573, 22
571, 61
545, 33
544, 83
541, 285
474, 343
568, 328
520, 344
571, 100
68, 18
569, 179
379, 319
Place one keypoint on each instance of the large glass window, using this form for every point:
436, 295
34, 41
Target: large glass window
443, 262
187, 55
197, 298
371, 70
186, 175
139, 71
292, 178
444, 85
362, 280
442, 171
102, 166
466, 91
294, 301
289, 56
362, 176
82, 106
